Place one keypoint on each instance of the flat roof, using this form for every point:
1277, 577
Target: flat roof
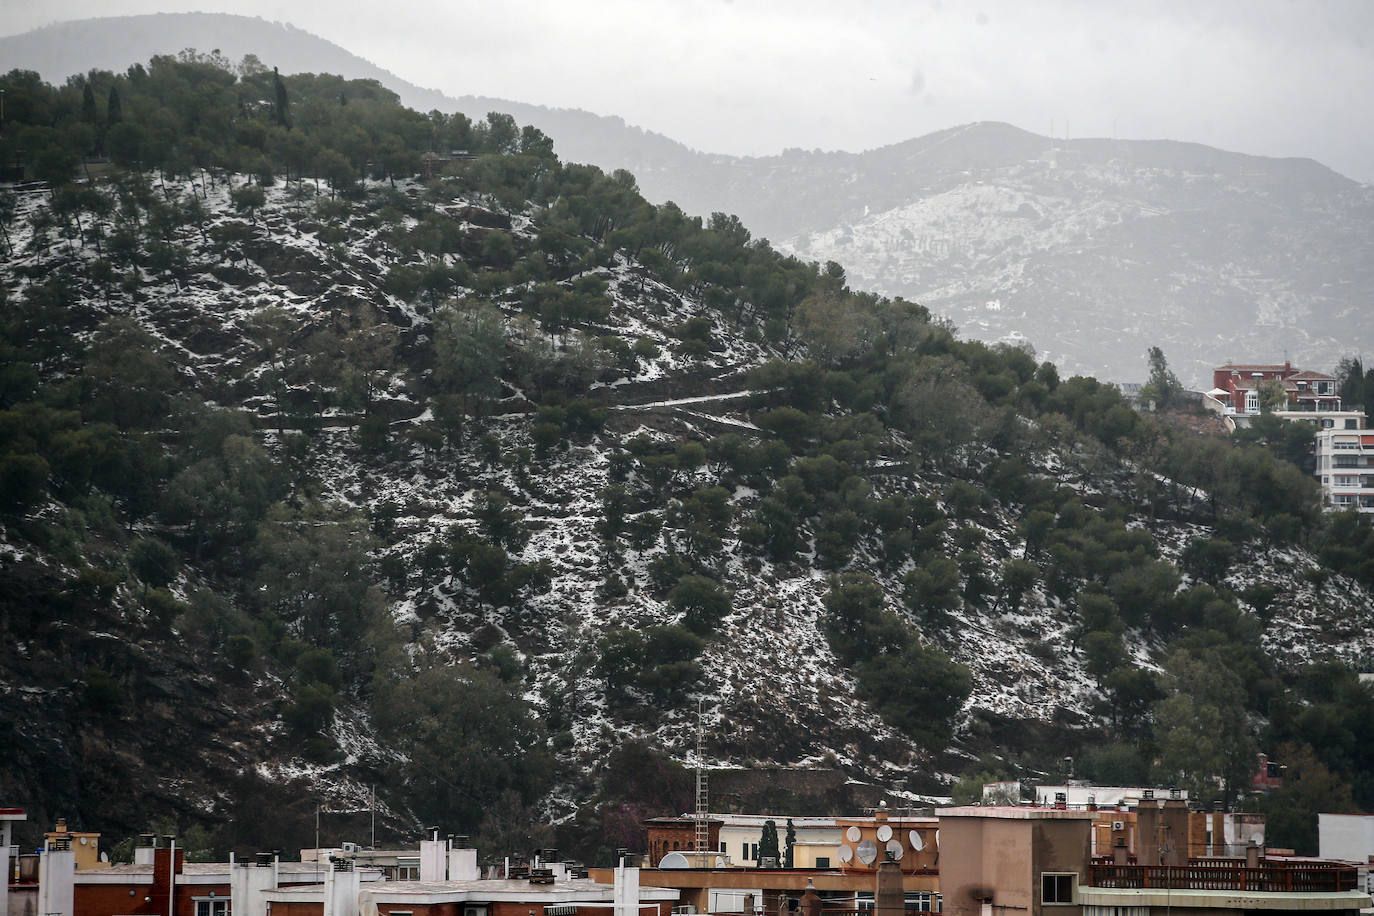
1228, 900
207, 872
1017, 813
572, 890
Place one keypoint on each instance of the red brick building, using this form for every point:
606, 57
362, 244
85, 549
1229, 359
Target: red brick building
170, 885
1305, 390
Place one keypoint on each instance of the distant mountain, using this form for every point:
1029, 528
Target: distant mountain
1092, 250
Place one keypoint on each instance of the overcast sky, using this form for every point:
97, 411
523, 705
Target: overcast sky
1274, 77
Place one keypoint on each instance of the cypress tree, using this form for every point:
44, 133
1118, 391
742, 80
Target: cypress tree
281, 101
768, 842
114, 109
88, 112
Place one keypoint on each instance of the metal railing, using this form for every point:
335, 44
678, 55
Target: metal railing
1305, 878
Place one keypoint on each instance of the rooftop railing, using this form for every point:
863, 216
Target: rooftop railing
1307, 877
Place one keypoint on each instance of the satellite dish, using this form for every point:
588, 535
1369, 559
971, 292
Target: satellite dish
937, 839
885, 833
846, 854
868, 852
1256, 839
674, 860
853, 834
916, 842
895, 850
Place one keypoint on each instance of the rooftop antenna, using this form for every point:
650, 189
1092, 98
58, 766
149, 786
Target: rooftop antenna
703, 834
372, 843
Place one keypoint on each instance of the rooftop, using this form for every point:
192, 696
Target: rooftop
1019, 813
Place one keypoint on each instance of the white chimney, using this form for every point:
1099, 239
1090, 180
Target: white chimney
341, 886
433, 858
143, 852
560, 870
626, 891
247, 885
462, 865
57, 879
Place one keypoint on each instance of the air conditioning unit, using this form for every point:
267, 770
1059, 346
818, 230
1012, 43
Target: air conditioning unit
1118, 826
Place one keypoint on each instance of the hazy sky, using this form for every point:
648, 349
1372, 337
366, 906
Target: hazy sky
1275, 77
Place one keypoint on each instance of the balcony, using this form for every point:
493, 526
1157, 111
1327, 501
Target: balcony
1221, 875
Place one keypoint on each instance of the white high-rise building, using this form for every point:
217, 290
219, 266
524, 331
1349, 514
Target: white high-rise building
1345, 467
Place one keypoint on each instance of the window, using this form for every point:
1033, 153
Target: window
1057, 888
212, 906
1351, 423
755, 850
822, 861
744, 851
722, 847
403, 873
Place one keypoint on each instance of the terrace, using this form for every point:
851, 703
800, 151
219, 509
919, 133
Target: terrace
1229, 875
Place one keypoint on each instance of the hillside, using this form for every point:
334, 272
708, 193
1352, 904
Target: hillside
1093, 250
473, 488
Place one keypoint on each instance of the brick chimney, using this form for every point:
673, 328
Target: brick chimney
169, 860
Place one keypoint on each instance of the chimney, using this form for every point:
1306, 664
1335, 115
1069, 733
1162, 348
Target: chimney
248, 883
626, 891
433, 857
889, 899
1252, 855
57, 878
143, 852
341, 886
811, 901
168, 860
1120, 854
462, 863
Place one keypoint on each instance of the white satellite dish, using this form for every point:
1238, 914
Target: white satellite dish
853, 834
868, 852
885, 833
916, 842
1256, 839
895, 850
674, 860
846, 854
937, 839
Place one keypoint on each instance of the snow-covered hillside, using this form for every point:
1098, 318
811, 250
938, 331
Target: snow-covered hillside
774, 691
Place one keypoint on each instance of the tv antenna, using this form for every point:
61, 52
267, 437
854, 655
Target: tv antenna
703, 833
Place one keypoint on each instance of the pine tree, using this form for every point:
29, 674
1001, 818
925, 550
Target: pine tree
790, 856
